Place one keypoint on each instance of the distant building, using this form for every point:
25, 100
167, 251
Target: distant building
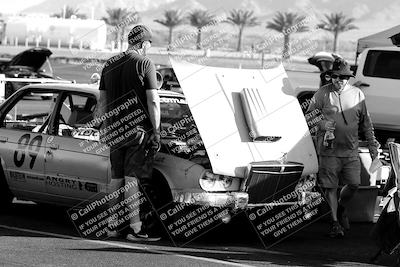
87, 33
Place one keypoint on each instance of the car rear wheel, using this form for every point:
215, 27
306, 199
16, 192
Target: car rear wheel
6, 196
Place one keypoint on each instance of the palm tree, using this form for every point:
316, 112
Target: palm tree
173, 18
287, 23
119, 19
199, 19
242, 18
67, 12
337, 23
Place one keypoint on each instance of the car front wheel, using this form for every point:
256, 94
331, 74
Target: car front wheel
6, 196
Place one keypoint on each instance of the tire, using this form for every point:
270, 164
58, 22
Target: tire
6, 196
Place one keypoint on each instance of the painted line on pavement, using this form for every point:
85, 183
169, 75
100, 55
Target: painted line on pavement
127, 246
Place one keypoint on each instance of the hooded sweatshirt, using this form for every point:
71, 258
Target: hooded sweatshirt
348, 110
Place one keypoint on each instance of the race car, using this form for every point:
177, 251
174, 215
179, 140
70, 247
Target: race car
50, 154
50, 151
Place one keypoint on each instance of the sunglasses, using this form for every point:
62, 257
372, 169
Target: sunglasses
341, 77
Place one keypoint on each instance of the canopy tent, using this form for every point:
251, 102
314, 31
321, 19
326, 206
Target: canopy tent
378, 39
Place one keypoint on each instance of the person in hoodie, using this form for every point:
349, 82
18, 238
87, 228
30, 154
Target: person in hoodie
344, 114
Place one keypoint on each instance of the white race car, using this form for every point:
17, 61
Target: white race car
50, 155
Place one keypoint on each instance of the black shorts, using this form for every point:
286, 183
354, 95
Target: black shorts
349, 169
132, 160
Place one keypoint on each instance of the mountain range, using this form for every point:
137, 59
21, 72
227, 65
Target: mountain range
371, 16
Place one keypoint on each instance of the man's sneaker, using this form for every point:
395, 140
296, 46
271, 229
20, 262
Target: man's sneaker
342, 217
140, 236
336, 231
112, 233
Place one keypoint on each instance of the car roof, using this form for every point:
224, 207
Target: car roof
387, 48
87, 88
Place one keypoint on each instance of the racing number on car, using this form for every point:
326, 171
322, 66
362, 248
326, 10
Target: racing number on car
33, 149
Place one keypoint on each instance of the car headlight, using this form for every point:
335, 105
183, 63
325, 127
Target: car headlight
215, 182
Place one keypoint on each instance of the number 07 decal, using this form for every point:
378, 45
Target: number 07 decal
33, 149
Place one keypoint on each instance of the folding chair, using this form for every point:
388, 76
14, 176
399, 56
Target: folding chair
386, 232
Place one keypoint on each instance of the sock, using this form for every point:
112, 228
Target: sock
137, 226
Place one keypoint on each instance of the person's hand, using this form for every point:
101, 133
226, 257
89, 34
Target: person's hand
374, 153
357, 83
97, 125
373, 149
328, 125
155, 140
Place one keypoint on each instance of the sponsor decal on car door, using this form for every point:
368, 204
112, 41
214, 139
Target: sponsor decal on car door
23, 155
73, 173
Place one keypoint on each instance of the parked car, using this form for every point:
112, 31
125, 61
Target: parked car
49, 155
30, 64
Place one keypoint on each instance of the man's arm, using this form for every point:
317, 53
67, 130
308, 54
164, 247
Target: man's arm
100, 107
153, 99
101, 104
368, 129
153, 104
314, 114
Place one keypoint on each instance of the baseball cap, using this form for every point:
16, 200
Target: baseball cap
138, 34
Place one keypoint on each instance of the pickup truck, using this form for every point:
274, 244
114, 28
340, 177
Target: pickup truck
378, 76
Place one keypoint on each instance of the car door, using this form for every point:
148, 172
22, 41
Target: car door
380, 80
23, 135
77, 165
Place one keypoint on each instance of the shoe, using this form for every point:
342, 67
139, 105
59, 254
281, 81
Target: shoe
141, 236
336, 231
342, 218
112, 228
112, 233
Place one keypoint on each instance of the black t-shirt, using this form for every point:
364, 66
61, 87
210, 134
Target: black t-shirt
125, 78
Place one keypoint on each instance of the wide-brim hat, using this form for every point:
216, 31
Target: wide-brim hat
341, 67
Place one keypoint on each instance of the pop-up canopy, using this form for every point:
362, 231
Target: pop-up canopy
378, 39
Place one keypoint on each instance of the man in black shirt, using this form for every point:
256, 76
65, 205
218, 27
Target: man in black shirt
130, 103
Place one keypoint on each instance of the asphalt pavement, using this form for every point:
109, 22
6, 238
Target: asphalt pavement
40, 235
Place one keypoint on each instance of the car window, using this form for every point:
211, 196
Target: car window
30, 113
382, 64
75, 114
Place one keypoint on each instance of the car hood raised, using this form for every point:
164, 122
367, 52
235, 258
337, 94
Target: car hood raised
215, 98
34, 58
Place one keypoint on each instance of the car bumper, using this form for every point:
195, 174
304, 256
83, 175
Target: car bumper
235, 200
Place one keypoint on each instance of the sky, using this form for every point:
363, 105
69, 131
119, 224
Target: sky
371, 16
16, 6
